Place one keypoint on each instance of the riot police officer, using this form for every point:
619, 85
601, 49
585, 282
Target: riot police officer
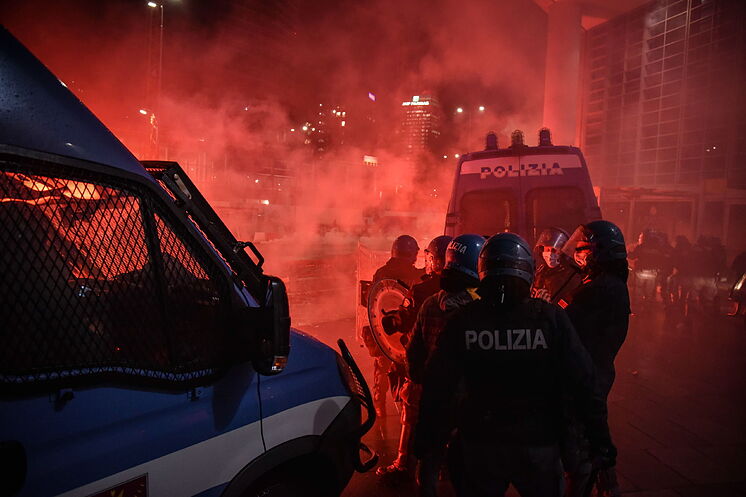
435, 255
600, 313
400, 267
650, 259
457, 284
516, 358
556, 276
429, 284
684, 264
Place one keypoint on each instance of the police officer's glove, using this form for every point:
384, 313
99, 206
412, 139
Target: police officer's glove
604, 457
391, 321
369, 341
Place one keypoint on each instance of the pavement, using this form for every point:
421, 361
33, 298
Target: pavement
676, 410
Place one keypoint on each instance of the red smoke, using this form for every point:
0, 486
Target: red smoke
238, 76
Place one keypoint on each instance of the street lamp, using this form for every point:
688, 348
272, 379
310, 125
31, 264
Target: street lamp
153, 121
469, 117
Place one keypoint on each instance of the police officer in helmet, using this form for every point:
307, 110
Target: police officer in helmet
650, 258
400, 266
429, 284
457, 288
403, 321
556, 276
435, 259
600, 313
517, 359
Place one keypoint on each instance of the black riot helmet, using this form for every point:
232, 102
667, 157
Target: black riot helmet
435, 254
405, 247
648, 237
507, 254
552, 237
462, 255
603, 239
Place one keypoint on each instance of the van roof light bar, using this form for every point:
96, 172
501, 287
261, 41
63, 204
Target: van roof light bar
545, 137
491, 141
516, 139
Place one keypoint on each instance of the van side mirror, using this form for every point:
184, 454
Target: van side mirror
272, 345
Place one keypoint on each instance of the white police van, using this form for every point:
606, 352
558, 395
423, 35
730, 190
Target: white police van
521, 189
143, 352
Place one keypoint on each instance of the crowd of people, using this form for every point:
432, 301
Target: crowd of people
682, 276
509, 361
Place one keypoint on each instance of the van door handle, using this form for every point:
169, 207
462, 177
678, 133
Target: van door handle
13, 466
62, 397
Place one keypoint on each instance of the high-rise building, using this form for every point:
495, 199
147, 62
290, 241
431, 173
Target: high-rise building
420, 125
663, 98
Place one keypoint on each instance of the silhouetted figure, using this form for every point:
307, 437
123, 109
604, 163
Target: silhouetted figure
600, 313
649, 260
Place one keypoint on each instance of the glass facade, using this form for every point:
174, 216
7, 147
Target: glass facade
663, 96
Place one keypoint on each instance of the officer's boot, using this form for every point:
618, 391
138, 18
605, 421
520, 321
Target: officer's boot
608, 486
398, 469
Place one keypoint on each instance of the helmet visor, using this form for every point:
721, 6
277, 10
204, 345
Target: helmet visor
577, 236
552, 237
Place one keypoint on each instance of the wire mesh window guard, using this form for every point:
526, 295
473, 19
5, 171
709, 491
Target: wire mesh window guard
96, 281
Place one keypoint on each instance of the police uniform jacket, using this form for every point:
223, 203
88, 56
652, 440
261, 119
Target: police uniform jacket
429, 285
648, 256
399, 269
514, 367
431, 320
600, 313
555, 284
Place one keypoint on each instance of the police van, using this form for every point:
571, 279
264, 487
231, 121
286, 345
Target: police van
521, 189
143, 351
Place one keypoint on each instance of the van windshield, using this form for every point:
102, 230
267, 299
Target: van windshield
563, 207
487, 212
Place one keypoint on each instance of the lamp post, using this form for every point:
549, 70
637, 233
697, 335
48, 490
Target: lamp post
153, 138
469, 117
154, 5
156, 104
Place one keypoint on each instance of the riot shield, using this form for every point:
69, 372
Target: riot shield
385, 298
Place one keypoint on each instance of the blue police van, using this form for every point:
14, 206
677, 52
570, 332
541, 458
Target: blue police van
521, 189
143, 351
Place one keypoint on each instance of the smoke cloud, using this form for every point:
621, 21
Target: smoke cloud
240, 79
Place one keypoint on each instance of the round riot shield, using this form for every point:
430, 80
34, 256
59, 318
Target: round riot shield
385, 299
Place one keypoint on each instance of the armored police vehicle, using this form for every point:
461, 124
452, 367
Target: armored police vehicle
521, 189
143, 352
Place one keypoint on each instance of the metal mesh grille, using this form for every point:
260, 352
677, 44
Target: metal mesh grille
91, 285
194, 223
194, 304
